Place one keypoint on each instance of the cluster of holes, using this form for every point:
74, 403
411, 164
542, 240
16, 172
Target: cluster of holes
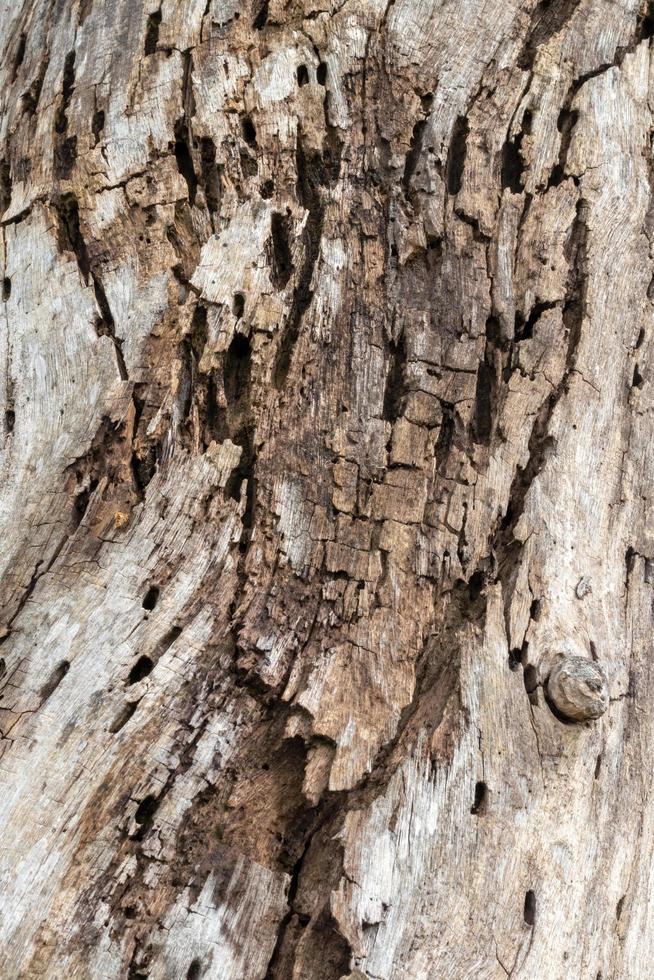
302, 74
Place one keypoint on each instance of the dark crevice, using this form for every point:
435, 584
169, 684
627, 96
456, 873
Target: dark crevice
456, 156
517, 657
524, 329
302, 75
237, 368
65, 155
575, 300
61, 116
141, 669
314, 172
97, 125
445, 436
210, 174
321, 73
6, 288
20, 55
529, 911
530, 679
184, 158
152, 32
249, 132
261, 19
72, 240
144, 815
151, 598
322, 935
238, 305
194, 971
201, 388
412, 157
512, 164
30, 99
281, 261
65, 149
480, 802
566, 123
5, 186
290, 898
395, 390
182, 131
483, 411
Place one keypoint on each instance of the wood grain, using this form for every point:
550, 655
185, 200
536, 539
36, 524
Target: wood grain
325, 432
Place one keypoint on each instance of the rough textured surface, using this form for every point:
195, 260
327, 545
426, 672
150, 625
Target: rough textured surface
577, 689
326, 414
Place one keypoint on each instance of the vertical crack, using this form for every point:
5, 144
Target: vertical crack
71, 240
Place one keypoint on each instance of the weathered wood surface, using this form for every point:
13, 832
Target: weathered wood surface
326, 427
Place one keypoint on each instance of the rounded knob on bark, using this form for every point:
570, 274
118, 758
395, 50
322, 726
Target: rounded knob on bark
578, 689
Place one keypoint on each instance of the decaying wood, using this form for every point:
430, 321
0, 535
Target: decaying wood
327, 431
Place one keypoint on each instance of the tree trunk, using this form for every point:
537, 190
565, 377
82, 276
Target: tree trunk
328, 544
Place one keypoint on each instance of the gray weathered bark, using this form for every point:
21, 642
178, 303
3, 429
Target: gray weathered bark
326, 437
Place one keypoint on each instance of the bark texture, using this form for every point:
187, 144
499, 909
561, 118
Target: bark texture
327, 404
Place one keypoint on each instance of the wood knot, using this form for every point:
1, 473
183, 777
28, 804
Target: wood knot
578, 689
